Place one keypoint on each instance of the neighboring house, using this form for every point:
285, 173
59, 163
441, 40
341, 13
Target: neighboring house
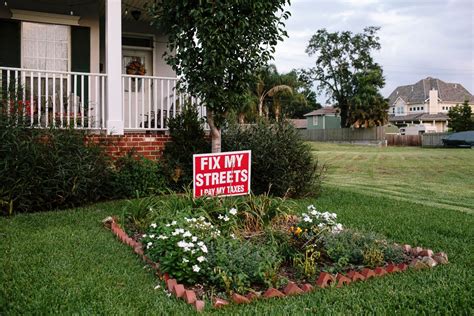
426, 102
324, 118
93, 65
299, 123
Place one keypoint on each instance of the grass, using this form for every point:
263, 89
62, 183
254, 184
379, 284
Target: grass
436, 177
66, 262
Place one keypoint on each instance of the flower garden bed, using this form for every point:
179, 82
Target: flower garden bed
239, 250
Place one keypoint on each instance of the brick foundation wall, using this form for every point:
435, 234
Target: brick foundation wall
148, 145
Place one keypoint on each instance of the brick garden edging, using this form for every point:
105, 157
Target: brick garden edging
423, 259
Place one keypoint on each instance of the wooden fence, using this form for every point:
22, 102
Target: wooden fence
344, 134
376, 134
433, 139
403, 140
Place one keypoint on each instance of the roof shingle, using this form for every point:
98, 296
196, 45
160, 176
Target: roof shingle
419, 92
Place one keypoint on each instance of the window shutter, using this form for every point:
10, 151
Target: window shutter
80, 49
81, 57
10, 49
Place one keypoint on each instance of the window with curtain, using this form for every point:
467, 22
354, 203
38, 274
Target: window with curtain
45, 46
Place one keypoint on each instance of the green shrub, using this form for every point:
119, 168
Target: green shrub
373, 257
47, 169
181, 246
282, 164
137, 176
239, 264
187, 138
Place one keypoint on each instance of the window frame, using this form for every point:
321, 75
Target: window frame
68, 45
315, 120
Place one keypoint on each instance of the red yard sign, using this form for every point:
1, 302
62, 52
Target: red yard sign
221, 174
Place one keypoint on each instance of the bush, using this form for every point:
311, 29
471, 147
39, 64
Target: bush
282, 164
137, 176
47, 169
237, 265
187, 138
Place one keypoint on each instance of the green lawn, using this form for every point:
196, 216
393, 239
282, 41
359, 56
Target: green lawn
436, 177
65, 262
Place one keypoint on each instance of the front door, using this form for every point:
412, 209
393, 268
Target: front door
137, 90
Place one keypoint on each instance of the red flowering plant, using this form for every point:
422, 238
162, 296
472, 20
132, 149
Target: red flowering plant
135, 67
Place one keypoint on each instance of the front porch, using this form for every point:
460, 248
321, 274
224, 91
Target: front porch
67, 64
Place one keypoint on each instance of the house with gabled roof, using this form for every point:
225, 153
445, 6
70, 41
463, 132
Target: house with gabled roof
323, 118
426, 102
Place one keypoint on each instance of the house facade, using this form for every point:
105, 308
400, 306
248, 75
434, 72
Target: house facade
426, 102
324, 118
94, 65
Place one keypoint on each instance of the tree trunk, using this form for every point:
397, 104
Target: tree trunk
215, 133
241, 118
343, 112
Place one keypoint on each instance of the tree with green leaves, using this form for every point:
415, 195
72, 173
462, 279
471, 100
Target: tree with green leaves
275, 95
460, 117
216, 45
345, 69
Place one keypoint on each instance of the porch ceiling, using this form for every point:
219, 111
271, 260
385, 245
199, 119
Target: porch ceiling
65, 6
128, 6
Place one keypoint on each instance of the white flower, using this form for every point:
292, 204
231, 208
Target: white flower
173, 223
233, 211
304, 214
196, 268
233, 236
169, 294
226, 219
308, 219
157, 287
152, 236
311, 207
144, 236
180, 230
148, 245
153, 225
182, 244
200, 244
220, 216
204, 248
313, 212
201, 259
187, 234
174, 233
337, 229
193, 252
201, 218
186, 249
185, 260
162, 237
321, 225
168, 225
194, 238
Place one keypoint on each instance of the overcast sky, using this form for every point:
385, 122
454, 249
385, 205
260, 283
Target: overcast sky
419, 38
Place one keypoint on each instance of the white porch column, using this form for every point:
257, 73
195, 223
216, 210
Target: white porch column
113, 60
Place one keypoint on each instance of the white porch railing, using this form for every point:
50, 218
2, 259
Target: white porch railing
78, 100
54, 98
148, 102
